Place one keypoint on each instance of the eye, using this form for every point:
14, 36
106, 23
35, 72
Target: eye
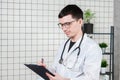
68, 23
62, 24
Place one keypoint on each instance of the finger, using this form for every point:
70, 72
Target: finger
50, 76
41, 64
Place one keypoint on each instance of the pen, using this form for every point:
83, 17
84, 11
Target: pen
42, 60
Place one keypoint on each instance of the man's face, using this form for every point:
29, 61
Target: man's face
70, 26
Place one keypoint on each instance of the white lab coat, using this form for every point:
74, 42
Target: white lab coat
88, 64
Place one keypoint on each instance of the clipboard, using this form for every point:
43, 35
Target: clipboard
40, 70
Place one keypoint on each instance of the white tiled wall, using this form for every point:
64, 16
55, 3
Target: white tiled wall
29, 31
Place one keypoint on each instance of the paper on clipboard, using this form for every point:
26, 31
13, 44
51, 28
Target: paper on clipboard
40, 70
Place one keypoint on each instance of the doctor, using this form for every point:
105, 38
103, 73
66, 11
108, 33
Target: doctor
79, 57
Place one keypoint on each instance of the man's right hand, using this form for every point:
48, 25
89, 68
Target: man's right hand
41, 63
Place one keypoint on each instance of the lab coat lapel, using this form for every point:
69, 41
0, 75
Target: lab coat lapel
66, 50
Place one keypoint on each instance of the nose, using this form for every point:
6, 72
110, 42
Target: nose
64, 28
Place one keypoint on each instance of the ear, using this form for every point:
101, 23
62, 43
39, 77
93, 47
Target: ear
80, 21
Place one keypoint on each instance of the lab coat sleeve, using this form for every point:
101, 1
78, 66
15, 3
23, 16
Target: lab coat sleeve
91, 68
53, 67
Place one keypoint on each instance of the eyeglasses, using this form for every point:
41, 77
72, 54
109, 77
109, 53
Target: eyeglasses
66, 25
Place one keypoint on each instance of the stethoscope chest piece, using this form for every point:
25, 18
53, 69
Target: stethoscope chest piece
60, 61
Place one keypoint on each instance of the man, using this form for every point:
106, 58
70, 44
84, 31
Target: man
79, 57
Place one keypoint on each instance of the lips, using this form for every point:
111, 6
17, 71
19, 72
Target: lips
67, 33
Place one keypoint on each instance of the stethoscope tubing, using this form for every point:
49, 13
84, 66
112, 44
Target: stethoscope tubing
61, 58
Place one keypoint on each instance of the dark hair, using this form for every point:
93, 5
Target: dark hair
73, 10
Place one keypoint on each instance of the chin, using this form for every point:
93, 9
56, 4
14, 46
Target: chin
69, 36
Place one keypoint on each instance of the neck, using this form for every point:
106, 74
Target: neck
75, 38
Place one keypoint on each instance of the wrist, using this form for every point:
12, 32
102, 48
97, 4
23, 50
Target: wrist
66, 79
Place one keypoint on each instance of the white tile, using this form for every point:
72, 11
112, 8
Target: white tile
10, 36
10, 1
28, 12
10, 63
4, 60
22, 18
34, 60
34, 36
46, 2
40, 7
22, 12
16, 31
22, 31
45, 13
28, 30
22, 1
34, 6
4, 77
4, 18
40, 18
28, 42
10, 48
16, 77
28, 60
28, 6
10, 24
45, 48
40, 54
4, 73
4, 30
16, 51
28, 37
34, 18
16, 18
28, 1
34, 12
22, 61
40, 1
4, 24
4, 48
51, 30
28, 48
10, 18
28, 18
34, 30
16, 6
40, 42
22, 36
28, 24
16, 72
3, 0
22, 6
10, 5
34, 50
10, 54
4, 42
22, 42
4, 11
11, 77
22, 54
35, 24
4, 66
22, 25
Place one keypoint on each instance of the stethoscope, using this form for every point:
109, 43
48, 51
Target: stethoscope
61, 58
